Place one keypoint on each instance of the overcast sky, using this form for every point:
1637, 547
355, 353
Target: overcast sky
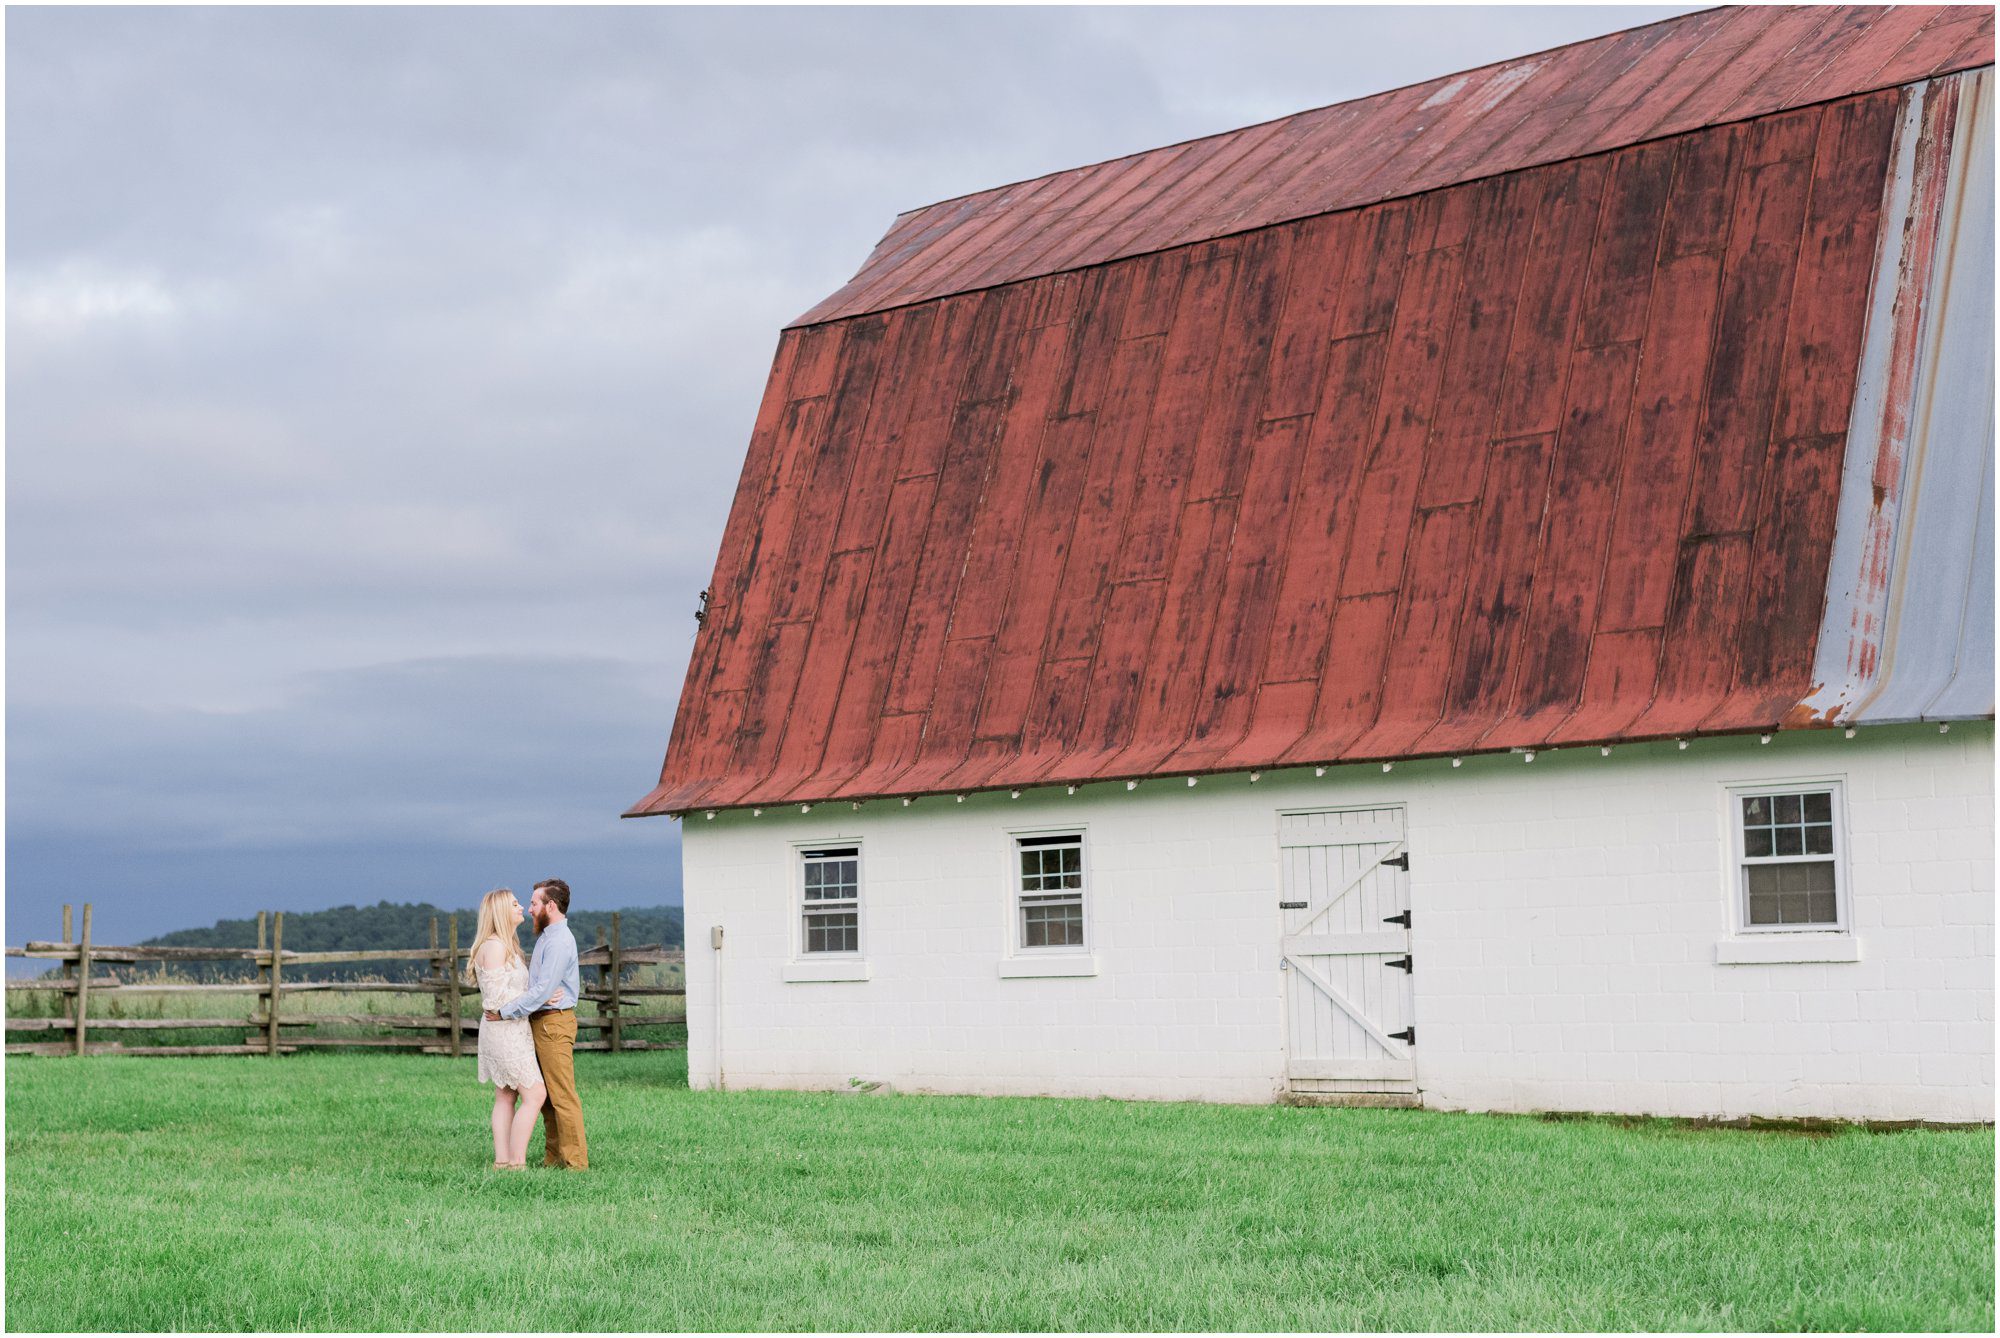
377, 382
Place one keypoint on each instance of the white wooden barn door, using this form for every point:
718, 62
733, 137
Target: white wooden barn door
1345, 897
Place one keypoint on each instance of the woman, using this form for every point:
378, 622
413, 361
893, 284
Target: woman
506, 1049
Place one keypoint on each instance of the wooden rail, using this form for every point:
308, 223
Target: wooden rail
84, 978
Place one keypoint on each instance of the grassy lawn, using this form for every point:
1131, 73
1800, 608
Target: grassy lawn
335, 1191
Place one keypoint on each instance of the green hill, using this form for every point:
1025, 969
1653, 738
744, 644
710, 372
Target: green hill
399, 925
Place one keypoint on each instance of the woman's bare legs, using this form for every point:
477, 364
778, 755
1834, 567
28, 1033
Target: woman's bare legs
503, 1120
524, 1124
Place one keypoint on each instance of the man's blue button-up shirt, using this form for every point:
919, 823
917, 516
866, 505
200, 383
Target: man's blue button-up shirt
553, 978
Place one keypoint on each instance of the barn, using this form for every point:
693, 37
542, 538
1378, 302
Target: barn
1480, 596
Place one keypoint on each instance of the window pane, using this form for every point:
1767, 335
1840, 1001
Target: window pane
1756, 841
1052, 926
1787, 841
1051, 896
1787, 807
1819, 806
1819, 840
840, 932
1756, 808
1792, 894
831, 921
1763, 885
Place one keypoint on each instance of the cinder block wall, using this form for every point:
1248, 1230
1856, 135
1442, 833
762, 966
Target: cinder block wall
1567, 917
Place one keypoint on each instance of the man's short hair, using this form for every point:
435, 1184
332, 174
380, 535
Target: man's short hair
556, 890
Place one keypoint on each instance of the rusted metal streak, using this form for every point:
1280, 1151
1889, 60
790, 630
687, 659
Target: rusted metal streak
1900, 621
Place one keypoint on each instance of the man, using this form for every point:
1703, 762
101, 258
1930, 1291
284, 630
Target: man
549, 1004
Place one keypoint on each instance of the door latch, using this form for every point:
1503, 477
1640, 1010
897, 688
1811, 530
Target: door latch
1403, 919
1407, 963
1293, 905
1401, 861
1406, 1034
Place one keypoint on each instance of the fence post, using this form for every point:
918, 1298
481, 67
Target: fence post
437, 988
67, 998
603, 983
451, 978
616, 968
263, 967
277, 968
83, 980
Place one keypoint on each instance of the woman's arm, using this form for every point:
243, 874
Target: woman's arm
554, 954
490, 954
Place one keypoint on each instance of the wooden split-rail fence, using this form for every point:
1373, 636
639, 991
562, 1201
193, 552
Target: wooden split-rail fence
87, 974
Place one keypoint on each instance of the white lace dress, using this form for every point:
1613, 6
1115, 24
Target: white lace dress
506, 1049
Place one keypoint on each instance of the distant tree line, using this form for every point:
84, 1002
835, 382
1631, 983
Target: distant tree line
397, 925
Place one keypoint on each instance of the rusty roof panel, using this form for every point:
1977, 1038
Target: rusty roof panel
1665, 79
1563, 456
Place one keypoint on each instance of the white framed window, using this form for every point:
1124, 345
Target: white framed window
829, 901
1790, 873
1049, 893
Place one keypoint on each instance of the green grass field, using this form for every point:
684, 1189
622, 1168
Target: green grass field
338, 1191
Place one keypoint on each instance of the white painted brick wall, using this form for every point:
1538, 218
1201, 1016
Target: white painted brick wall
1567, 914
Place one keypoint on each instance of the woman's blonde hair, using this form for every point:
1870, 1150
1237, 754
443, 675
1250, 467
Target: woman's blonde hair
492, 926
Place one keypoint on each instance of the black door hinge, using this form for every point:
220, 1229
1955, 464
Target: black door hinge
1407, 963
1293, 905
1406, 1034
1403, 919
1401, 861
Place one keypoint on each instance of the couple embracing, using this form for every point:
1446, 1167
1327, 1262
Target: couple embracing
527, 1035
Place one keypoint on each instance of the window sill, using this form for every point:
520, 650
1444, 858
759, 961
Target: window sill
1759, 949
848, 969
1055, 964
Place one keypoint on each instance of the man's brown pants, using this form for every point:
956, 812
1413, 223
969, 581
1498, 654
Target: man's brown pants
562, 1117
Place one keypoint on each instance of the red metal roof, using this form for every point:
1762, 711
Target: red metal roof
1547, 457
1682, 74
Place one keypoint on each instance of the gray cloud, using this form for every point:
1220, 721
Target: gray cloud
379, 377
